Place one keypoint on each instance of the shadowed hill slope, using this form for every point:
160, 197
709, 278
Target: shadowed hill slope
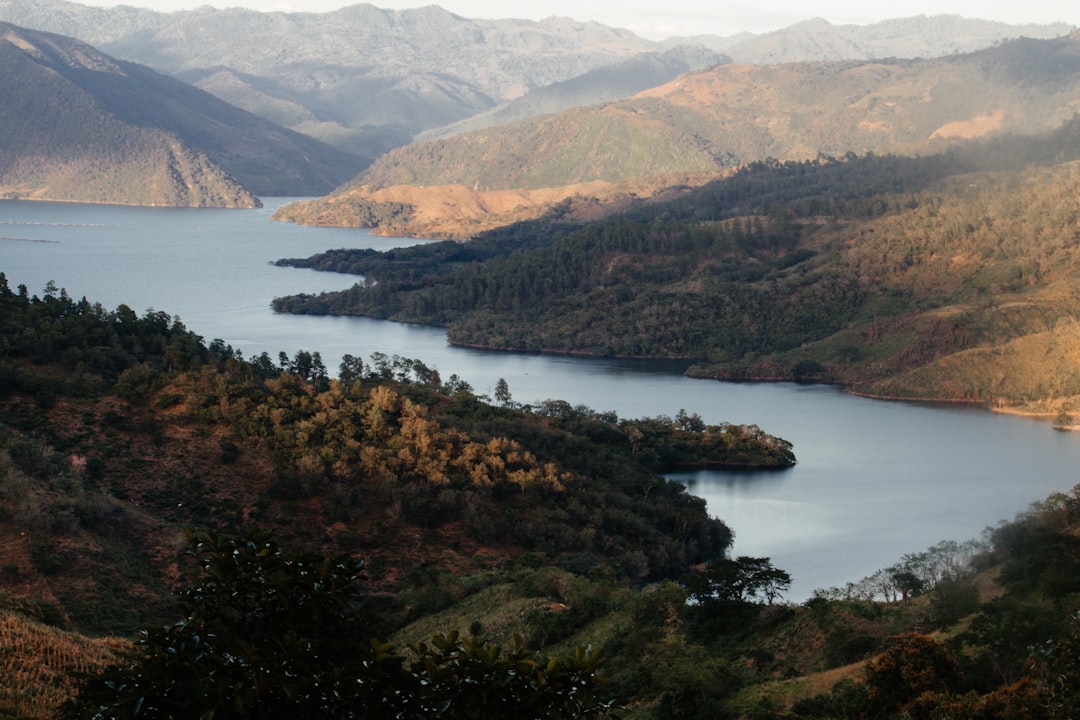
80, 125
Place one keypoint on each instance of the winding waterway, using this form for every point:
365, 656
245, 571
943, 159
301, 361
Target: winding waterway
874, 479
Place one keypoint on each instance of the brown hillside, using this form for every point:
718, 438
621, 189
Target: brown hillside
713, 120
38, 662
456, 212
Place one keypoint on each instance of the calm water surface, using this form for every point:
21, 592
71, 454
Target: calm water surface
874, 480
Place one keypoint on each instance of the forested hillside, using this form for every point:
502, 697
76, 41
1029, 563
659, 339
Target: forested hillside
118, 430
906, 277
423, 539
389, 542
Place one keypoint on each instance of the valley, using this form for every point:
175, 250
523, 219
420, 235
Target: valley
387, 363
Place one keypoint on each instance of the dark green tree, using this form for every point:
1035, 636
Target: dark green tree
351, 368
739, 581
264, 633
269, 634
912, 669
466, 678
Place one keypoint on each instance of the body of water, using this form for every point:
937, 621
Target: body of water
874, 479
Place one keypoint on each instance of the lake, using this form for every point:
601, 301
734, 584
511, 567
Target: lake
874, 479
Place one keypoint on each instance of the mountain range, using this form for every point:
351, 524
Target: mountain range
364, 78
909, 37
534, 111
710, 122
77, 124
367, 79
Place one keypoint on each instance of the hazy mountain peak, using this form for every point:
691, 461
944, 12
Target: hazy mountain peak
813, 23
918, 36
77, 124
57, 50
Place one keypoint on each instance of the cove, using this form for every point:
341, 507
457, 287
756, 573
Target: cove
875, 479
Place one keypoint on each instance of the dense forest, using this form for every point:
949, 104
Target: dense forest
114, 394
876, 271
259, 518
120, 430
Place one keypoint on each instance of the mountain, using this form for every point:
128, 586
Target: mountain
362, 78
911, 37
606, 84
712, 121
366, 79
59, 143
729, 115
80, 125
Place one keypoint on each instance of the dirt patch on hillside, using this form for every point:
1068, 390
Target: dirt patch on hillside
457, 212
967, 129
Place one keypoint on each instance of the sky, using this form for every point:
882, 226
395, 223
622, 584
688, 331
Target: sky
656, 20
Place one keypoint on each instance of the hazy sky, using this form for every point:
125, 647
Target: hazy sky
657, 19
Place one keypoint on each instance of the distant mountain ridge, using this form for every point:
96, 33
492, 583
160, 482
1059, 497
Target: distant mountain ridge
364, 78
713, 121
374, 78
77, 124
606, 84
921, 36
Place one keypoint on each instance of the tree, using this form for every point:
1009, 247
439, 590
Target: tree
268, 634
502, 393
351, 368
466, 677
689, 422
264, 634
763, 579
739, 580
913, 667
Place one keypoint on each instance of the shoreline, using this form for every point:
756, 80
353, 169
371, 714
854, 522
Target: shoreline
844, 387
1034, 415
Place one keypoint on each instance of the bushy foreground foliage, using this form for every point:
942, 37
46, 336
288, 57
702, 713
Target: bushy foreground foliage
269, 633
1009, 656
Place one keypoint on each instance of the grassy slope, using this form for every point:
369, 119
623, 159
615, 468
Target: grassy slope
40, 663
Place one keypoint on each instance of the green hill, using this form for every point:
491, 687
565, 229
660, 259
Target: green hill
78, 125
